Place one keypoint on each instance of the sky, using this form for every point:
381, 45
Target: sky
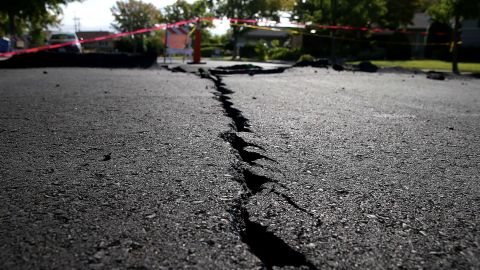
95, 15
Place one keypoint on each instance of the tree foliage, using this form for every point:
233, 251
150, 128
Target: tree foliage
456, 11
445, 10
182, 10
251, 9
16, 16
400, 13
133, 15
386, 13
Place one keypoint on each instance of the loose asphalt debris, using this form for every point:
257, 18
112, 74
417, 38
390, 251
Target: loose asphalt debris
433, 75
367, 66
245, 69
320, 63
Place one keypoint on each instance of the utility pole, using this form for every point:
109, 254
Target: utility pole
76, 22
197, 46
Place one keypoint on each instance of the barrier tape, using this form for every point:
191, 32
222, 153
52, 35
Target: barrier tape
112, 36
343, 38
377, 30
237, 22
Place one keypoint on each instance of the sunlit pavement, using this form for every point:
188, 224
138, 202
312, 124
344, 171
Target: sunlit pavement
312, 168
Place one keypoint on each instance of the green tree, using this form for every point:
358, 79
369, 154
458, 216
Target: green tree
400, 13
182, 10
18, 15
361, 13
456, 10
133, 15
250, 9
341, 12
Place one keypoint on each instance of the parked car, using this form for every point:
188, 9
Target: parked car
59, 38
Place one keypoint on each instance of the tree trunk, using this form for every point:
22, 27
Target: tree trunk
455, 40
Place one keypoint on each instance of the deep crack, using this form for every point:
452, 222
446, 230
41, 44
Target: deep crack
269, 248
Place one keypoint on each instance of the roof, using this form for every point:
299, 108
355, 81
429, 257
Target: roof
420, 20
261, 33
92, 34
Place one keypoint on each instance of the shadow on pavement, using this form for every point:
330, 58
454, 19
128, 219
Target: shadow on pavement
102, 60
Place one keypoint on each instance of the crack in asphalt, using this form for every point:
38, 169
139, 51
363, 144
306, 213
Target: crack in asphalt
268, 247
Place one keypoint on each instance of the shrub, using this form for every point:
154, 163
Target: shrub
306, 57
248, 51
262, 50
284, 54
209, 51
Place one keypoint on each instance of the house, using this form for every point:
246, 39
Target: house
417, 34
96, 46
429, 39
255, 35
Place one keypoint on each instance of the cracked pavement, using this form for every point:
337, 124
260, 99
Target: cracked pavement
307, 169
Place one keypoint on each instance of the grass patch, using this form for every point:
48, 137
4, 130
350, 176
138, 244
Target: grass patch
428, 65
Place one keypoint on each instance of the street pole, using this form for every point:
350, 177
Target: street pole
166, 45
197, 56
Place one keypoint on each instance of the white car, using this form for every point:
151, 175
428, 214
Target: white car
59, 38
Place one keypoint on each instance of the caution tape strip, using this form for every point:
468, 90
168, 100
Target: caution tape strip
238, 22
112, 36
341, 38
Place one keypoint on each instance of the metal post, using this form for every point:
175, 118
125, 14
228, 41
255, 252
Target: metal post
198, 41
165, 47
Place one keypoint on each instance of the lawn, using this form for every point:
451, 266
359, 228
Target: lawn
429, 65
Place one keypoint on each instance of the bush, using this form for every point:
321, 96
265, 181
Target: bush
124, 44
154, 45
248, 51
262, 50
210, 51
306, 57
284, 54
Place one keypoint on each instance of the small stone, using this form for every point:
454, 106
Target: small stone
198, 202
99, 255
151, 216
371, 216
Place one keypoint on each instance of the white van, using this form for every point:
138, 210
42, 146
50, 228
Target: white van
58, 38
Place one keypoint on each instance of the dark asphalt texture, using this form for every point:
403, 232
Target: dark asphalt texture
366, 171
105, 169
307, 169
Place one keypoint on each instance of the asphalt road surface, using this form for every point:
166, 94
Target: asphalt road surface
307, 169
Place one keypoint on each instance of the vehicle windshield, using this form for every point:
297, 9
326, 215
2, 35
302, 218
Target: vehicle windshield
63, 36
